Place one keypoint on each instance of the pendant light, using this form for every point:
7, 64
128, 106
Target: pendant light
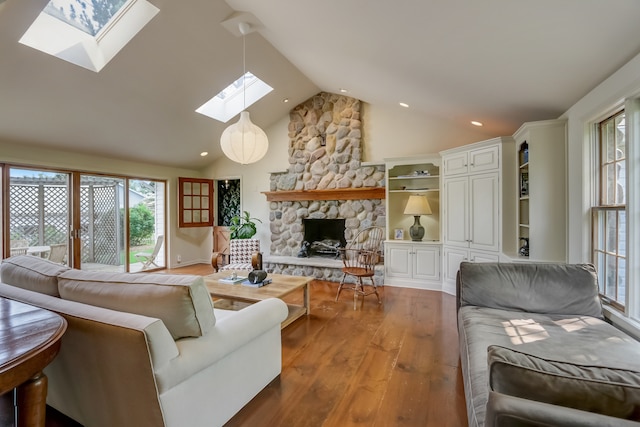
244, 142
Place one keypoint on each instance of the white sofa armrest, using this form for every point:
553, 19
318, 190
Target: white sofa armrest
229, 333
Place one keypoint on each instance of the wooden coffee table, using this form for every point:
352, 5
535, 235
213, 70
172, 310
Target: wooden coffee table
281, 286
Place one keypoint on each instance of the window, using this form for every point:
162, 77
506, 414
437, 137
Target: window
233, 99
92, 222
609, 216
87, 33
195, 202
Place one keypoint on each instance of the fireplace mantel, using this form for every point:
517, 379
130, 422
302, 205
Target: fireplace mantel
332, 194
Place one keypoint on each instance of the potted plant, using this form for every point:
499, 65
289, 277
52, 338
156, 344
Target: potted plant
243, 226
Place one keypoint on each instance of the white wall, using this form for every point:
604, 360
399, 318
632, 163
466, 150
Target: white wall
594, 106
387, 133
193, 244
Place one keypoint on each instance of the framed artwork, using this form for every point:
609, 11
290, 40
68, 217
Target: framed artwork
398, 234
195, 202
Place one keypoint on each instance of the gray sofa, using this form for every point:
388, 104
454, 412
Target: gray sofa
536, 351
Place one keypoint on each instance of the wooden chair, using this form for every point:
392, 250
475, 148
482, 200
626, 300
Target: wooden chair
149, 258
360, 257
244, 255
58, 253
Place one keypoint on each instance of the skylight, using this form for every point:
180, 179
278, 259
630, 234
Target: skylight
90, 17
87, 33
230, 101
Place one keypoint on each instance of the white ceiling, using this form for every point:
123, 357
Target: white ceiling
502, 62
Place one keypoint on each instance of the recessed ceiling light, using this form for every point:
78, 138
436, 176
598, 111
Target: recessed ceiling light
204, 153
475, 123
342, 90
404, 104
285, 100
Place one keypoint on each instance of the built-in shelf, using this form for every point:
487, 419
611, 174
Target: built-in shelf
391, 178
524, 197
524, 225
415, 190
332, 194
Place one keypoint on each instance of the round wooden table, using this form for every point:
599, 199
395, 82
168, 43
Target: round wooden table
29, 341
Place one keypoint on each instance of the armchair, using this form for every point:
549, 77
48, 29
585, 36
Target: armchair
244, 254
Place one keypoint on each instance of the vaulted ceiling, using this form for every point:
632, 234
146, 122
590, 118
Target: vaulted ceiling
501, 62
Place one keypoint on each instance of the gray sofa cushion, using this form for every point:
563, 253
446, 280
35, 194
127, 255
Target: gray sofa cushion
32, 273
603, 390
182, 302
536, 288
572, 339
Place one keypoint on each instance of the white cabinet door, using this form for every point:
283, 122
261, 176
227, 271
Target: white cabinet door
452, 259
484, 159
484, 199
398, 260
426, 261
455, 164
456, 211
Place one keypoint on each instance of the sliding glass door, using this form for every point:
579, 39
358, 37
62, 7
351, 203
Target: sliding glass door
38, 213
101, 226
146, 224
91, 222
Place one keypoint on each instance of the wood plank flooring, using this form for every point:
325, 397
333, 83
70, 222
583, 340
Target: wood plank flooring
389, 364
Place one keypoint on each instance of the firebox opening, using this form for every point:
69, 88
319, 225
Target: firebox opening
323, 237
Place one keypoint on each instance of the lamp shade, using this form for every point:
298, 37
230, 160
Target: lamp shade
243, 142
417, 205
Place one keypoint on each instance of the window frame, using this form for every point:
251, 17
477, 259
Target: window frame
602, 206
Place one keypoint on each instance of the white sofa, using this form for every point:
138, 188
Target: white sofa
148, 349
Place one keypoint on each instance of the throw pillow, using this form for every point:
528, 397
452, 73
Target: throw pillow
604, 390
182, 302
32, 273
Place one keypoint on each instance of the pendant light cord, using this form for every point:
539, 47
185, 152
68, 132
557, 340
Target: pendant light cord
244, 74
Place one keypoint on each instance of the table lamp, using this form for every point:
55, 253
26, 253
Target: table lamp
417, 205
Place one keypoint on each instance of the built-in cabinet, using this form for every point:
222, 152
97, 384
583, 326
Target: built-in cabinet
478, 194
409, 263
541, 193
486, 198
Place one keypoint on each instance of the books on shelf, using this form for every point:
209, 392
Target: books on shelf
232, 280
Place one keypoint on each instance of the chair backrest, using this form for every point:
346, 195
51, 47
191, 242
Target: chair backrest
368, 239
58, 253
363, 251
241, 250
19, 251
156, 249
19, 243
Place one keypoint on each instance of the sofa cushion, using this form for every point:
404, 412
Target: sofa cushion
604, 390
182, 302
535, 288
32, 273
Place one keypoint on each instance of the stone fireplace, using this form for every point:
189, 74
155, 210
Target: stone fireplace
326, 179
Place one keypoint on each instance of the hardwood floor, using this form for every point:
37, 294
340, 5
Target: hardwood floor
393, 364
